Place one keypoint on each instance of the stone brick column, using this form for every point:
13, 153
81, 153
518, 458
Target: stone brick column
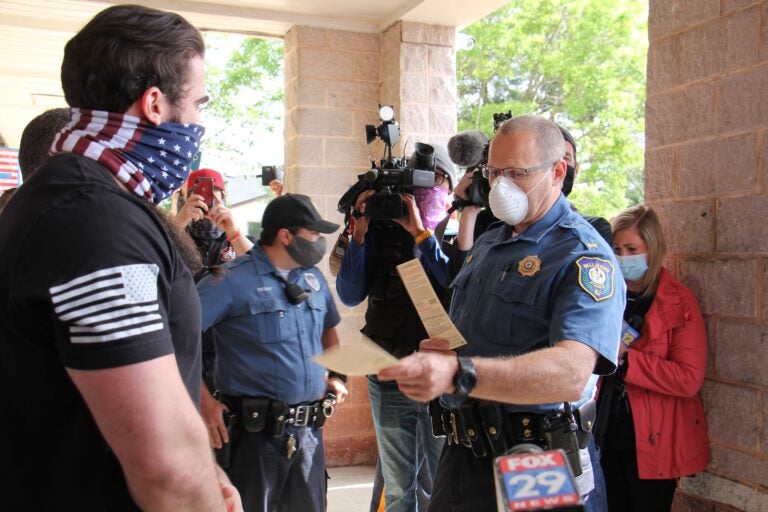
334, 82
707, 175
331, 92
418, 66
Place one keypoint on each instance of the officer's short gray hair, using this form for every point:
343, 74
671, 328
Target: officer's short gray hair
549, 138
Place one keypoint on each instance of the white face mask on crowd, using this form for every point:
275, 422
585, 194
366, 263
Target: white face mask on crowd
508, 201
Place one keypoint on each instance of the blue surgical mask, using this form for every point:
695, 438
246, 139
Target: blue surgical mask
633, 266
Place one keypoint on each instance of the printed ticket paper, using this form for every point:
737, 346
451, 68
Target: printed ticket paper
436, 321
358, 357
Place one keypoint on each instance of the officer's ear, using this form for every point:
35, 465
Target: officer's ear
560, 170
285, 236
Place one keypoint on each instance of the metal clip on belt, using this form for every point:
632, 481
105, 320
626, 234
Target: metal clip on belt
302, 415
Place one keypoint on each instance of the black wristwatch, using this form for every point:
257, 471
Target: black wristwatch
465, 379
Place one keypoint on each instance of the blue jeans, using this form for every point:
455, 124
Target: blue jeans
403, 435
597, 500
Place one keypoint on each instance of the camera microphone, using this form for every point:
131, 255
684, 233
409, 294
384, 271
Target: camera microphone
467, 148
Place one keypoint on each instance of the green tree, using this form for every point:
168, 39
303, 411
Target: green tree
580, 63
244, 78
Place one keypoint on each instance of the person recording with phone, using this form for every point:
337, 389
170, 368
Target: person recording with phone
651, 424
218, 240
368, 269
209, 222
273, 311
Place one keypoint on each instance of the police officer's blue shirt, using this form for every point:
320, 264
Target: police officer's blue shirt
558, 280
265, 344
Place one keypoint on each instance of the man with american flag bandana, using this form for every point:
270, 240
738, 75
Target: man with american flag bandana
99, 319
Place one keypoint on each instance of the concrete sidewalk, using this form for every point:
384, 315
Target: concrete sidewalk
350, 487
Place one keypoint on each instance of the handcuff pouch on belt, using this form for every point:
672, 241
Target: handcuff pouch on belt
489, 430
254, 412
258, 413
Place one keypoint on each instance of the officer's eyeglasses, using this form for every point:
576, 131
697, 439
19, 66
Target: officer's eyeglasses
515, 173
440, 178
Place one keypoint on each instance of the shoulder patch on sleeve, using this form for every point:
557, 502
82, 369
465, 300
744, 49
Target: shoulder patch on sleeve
596, 277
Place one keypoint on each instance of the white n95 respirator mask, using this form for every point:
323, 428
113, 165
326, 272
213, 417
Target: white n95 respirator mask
508, 202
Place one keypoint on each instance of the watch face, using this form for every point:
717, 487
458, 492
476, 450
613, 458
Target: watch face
467, 381
466, 378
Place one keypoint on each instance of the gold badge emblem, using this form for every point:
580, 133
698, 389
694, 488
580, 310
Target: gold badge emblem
529, 266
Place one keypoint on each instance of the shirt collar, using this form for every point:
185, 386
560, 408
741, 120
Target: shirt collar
261, 262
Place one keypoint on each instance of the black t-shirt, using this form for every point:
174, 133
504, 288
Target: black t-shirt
89, 279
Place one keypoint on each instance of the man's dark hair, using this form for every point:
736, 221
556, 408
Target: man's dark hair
37, 138
123, 51
569, 138
2, 141
184, 244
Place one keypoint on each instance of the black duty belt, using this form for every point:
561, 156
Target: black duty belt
488, 430
255, 414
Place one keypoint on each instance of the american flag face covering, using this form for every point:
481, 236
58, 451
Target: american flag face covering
150, 160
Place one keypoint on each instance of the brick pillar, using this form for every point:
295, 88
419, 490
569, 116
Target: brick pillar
418, 64
334, 81
331, 93
706, 174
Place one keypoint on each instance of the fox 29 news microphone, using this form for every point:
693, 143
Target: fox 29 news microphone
529, 479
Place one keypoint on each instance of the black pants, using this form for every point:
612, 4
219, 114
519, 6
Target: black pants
463, 482
626, 491
269, 482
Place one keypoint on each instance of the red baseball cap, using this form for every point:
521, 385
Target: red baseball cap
218, 181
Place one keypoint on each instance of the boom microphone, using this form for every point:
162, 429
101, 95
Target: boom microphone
467, 148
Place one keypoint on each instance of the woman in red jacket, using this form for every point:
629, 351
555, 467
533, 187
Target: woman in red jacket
655, 431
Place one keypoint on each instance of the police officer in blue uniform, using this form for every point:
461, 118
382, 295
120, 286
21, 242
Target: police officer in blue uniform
273, 312
539, 303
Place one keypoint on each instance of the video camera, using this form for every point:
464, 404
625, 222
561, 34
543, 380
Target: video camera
390, 176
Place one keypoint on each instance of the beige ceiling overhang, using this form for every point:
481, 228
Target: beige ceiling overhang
33, 34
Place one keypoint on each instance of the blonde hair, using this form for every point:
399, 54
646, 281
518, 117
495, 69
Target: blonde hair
644, 219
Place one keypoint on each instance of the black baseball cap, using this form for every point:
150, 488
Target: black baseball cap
295, 211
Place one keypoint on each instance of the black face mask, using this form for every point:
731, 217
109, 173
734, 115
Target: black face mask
570, 173
205, 228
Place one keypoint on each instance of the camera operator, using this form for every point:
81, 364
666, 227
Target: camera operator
403, 428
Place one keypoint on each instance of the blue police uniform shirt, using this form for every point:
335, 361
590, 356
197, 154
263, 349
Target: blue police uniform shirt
264, 343
556, 281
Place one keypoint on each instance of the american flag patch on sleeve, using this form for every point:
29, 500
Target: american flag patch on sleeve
109, 304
